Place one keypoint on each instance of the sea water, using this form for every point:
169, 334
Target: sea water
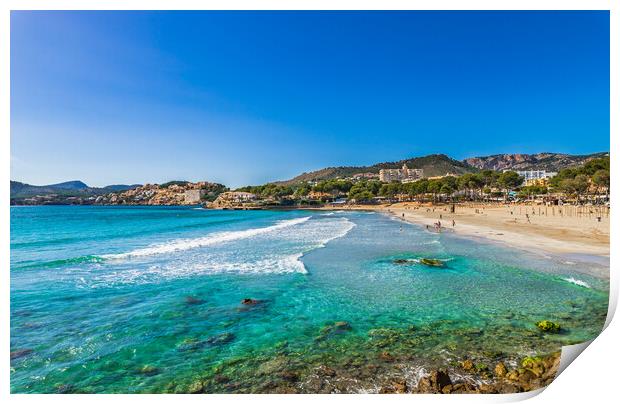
149, 299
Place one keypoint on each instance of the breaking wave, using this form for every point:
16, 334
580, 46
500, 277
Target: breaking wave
276, 249
216, 238
577, 282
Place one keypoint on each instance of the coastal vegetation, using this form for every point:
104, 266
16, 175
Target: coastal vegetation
591, 179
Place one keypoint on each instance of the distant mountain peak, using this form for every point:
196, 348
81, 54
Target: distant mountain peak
75, 184
538, 161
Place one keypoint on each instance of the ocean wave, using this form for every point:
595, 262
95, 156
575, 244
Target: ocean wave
85, 259
216, 238
278, 250
577, 282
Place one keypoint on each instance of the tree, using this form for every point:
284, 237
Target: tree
509, 180
601, 179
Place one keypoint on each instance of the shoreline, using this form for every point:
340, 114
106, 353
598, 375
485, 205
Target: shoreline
581, 239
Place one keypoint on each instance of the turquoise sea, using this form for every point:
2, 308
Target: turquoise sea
149, 299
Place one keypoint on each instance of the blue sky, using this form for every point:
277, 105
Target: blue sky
249, 97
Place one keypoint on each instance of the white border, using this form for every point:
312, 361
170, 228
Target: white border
592, 376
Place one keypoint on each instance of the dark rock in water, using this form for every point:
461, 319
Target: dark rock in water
289, 376
431, 262
386, 356
401, 261
221, 379
339, 327
196, 387
326, 371
440, 378
193, 345
64, 389
342, 326
548, 326
149, 370
434, 383
394, 386
220, 339
191, 300
20, 353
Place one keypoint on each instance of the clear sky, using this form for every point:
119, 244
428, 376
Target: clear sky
248, 97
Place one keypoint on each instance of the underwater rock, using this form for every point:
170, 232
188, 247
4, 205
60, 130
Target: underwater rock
191, 300
548, 326
289, 375
250, 302
386, 356
220, 339
401, 261
383, 337
196, 387
338, 327
20, 353
65, 389
324, 370
149, 370
221, 379
431, 262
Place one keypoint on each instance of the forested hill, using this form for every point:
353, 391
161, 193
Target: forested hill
433, 165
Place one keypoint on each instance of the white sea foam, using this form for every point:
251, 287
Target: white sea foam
216, 238
276, 249
577, 282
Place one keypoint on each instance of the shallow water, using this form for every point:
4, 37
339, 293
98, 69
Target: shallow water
148, 299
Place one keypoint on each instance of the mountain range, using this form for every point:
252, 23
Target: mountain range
433, 165
69, 188
539, 161
440, 164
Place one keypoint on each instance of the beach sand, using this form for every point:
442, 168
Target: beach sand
546, 231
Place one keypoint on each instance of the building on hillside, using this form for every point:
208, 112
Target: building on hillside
239, 197
404, 174
535, 177
193, 195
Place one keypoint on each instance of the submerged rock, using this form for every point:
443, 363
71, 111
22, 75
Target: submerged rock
402, 261
220, 339
548, 326
386, 356
338, 327
431, 262
191, 300
20, 353
149, 370
250, 302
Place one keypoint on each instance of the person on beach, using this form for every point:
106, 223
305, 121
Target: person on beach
453, 223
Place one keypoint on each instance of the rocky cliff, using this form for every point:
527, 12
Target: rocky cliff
539, 161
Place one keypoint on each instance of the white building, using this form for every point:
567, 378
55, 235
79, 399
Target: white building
534, 177
403, 174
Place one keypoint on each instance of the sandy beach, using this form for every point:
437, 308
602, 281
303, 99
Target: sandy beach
547, 230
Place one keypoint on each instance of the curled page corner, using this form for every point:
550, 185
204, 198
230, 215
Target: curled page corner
570, 353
